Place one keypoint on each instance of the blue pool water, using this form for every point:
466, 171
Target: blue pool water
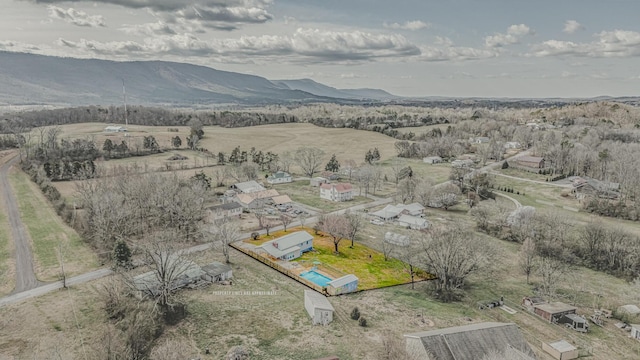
315, 277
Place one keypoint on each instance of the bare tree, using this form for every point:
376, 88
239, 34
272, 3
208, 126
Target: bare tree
397, 165
444, 196
168, 266
261, 216
285, 160
309, 159
223, 233
356, 222
551, 272
452, 254
349, 167
336, 226
285, 220
527, 257
410, 258
219, 175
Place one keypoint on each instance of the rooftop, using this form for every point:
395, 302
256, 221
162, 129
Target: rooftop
340, 187
555, 307
562, 346
226, 206
285, 244
249, 186
343, 280
318, 300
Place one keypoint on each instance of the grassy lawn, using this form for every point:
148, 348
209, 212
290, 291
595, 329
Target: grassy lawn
7, 278
523, 174
302, 192
48, 233
367, 264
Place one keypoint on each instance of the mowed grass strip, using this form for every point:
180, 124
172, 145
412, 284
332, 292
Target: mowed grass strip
7, 278
49, 233
367, 264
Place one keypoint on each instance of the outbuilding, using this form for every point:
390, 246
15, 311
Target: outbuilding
561, 350
318, 308
343, 285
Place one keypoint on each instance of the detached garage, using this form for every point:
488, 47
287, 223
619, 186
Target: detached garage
318, 307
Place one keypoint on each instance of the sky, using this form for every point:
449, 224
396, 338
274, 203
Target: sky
461, 48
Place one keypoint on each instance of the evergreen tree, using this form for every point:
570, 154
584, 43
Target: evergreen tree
333, 165
122, 254
176, 142
108, 146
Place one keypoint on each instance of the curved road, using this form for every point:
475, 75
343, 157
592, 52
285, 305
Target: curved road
25, 276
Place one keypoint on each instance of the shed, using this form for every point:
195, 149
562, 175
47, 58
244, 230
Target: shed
316, 181
552, 312
318, 307
575, 322
635, 331
629, 310
561, 350
343, 285
216, 271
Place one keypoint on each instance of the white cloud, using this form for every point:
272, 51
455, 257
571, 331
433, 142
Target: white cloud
445, 50
513, 36
571, 26
409, 25
76, 17
150, 29
616, 43
309, 45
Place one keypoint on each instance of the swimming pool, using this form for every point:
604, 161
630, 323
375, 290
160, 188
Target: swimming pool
315, 278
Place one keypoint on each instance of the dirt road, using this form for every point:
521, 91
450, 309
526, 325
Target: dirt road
25, 276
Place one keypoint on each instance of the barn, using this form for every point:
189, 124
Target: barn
318, 308
343, 285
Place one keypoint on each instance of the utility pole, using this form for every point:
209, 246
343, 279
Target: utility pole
124, 96
64, 276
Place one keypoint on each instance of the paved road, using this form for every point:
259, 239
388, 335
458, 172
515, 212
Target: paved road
46, 288
25, 276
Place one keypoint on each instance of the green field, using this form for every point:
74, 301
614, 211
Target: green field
49, 233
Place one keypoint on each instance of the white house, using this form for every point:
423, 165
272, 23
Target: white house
226, 210
413, 222
336, 192
279, 178
290, 246
248, 187
318, 307
432, 159
317, 181
112, 128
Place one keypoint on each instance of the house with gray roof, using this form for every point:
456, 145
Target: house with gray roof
470, 342
248, 187
413, 222
290, 246
280, 177
225, 210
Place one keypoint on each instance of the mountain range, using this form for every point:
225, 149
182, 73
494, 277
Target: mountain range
30, 79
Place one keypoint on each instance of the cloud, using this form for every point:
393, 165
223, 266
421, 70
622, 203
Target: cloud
571, 26
150, 29
409, 25
308, 45
445, 50
513, 36
608, 44
76, 17
215, 14
16, 46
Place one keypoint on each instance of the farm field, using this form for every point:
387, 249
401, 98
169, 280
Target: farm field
49, 234
276, 138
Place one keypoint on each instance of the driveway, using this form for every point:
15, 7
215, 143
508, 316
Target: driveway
25, 276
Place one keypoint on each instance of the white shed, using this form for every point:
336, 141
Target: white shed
561, 350
635, 331
318, 307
